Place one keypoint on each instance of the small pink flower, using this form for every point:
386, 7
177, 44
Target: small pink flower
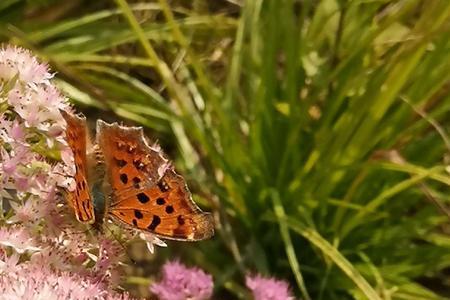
151, 240
11, 131
8, 264
268, 288
18, 61
10, 161
18, 239
26, 212
180, 282
109, 255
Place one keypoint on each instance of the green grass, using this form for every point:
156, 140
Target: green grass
316, 131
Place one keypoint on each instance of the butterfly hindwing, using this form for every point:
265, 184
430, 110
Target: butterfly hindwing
147, 194
80, 199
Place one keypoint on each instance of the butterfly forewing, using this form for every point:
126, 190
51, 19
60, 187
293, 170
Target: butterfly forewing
147, 194
129, 160
79, 199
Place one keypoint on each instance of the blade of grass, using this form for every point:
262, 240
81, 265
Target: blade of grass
331, 252
381, 198
284, 230
57, 29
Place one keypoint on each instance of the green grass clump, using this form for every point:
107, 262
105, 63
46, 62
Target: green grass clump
315, 130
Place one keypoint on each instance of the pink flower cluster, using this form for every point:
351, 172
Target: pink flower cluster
31, 137
264, 288
179, 282
33, 279
44, 254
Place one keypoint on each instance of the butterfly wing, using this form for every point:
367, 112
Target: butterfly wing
146, 192
79, 199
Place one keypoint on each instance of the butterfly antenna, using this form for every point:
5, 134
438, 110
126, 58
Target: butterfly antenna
120, 242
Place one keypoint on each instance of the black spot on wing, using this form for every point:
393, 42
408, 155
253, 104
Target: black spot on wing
138, 214
162, 185
138, 164
143, 198
169, 209
136, 181
124, 178
155, 222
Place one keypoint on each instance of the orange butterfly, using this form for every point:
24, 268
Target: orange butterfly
143, 190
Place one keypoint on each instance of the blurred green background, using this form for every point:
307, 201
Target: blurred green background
315, 131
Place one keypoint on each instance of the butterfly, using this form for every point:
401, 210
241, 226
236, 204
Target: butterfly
133, 183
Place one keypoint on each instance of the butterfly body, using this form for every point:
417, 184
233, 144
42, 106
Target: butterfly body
135, 185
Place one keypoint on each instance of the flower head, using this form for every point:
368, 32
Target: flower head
42, 256
150, 239
15, 61
180, 282
34, 280
268, 288
18, 239
30, 135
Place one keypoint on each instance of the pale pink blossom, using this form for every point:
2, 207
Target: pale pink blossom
33, 280
266, 288
18, 239
151, 240
11, 131
26, 212
179, 282
108, 259
19, 61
